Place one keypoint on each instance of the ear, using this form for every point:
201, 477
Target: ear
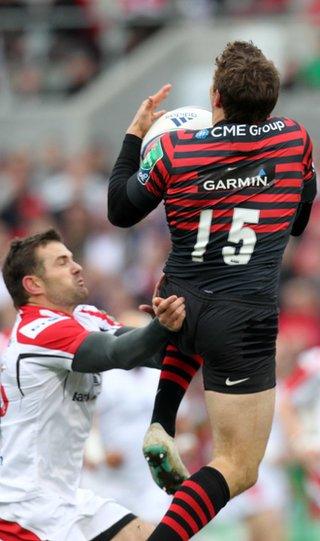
33, 285
216, 99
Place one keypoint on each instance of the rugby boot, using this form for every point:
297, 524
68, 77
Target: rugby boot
162, 456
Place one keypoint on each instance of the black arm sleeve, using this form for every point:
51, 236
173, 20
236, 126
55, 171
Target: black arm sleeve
121, 211
122, 330
302, 216
309, 190
102, 351
153, 362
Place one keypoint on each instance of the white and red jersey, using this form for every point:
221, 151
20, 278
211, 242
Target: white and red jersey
303, 390
46, 408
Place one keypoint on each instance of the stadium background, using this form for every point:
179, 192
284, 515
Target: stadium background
72, 73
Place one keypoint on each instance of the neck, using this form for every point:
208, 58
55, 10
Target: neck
44, 303
217, 115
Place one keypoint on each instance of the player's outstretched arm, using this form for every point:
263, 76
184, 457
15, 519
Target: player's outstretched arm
103, 351
309, 190
301, 219
122, 212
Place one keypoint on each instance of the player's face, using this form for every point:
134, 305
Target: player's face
62, 277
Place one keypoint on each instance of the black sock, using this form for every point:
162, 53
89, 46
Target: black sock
194, 505
176, 374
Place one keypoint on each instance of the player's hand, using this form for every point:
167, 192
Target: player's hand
170, 312
147, 114
146, 308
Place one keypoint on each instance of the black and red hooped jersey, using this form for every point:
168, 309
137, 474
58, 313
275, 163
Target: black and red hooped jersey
231, 193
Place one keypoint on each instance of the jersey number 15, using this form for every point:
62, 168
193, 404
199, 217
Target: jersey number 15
239, 232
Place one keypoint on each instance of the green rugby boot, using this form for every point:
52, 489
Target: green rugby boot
162, 456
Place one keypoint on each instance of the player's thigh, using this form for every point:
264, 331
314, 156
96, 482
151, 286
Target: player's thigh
237, 341
137, 530
185, 339
241, 426
239, 378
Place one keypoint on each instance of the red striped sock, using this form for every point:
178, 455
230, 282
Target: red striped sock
177, 372
194, 505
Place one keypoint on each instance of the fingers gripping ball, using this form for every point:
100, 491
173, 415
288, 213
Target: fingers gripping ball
187, 118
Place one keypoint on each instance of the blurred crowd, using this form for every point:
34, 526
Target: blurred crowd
54, 48
48, 188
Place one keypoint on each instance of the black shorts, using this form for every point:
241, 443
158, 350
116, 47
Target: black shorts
236, 336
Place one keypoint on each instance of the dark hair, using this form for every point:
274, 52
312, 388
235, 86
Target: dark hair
247, 81
21, 260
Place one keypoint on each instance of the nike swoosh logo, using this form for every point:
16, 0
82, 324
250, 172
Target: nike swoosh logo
235, 382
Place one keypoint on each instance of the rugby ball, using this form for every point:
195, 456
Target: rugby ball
187, 118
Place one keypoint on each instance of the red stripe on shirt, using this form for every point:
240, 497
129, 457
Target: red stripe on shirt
256, 198
258, 228
264, 213
12, 531
195, 161
63, 335
288, 167
288, 183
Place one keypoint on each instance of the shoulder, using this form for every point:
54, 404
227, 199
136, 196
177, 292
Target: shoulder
294, 124
51, 330
35, 322
91, 318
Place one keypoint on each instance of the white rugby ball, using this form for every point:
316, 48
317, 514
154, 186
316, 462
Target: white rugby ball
187, 118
